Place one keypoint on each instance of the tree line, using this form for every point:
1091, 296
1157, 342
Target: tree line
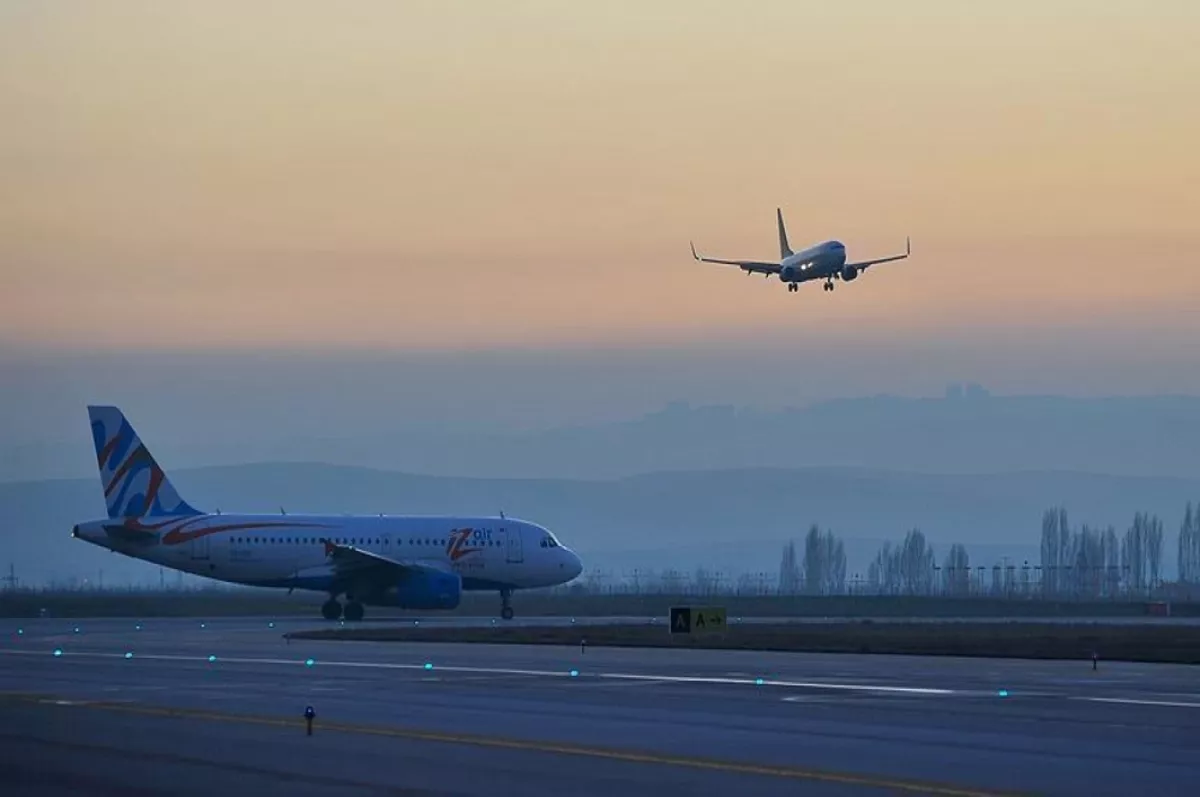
1081, 562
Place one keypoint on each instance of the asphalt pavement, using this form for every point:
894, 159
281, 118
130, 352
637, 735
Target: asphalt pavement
190, 706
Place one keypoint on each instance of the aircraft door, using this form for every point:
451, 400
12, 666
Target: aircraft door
514, 551
199, 548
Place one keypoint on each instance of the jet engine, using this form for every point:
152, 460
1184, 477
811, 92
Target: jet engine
849, 273
425, 590
788, 274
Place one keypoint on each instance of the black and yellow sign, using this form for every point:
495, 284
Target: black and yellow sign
697, 619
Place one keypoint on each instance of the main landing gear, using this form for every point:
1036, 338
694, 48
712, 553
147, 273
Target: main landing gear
332, 610
793, 287
829, 285
506, 610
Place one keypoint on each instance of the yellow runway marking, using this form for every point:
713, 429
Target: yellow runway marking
628, 756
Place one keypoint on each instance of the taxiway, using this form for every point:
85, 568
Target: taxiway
189, 706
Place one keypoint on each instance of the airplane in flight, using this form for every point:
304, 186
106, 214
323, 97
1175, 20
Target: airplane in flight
411, 562
824, 261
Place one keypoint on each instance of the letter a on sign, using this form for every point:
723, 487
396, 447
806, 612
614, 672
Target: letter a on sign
681, 620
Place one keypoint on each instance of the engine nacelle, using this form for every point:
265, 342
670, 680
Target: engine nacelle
789, 274
849, 273
425, 590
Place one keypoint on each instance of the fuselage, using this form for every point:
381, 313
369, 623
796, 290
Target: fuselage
290, 551
822, 261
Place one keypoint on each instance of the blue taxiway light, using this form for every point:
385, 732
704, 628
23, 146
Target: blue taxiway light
76, 629
137, 627
310, 662
20, 632
1003, 693
428, 665
211, 659
758, 681
270, 625
58, 651
128, 655
574, 673
204, 625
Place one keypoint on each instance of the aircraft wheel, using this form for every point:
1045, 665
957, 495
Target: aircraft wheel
354, 612
507, 613
331, 609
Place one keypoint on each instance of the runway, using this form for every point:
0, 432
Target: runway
197, 706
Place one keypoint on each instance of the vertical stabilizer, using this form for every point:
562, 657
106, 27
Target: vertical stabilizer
134, 485
784, 249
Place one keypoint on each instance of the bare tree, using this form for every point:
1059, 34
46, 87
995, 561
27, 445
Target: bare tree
957, 569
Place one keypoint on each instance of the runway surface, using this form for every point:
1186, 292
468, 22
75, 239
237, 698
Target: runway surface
197, 706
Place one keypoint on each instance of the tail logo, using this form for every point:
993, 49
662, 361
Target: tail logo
134, 484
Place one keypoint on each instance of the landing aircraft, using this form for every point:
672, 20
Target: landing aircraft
412, 562
823, 261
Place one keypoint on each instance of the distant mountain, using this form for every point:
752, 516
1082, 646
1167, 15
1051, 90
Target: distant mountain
736, 519
967, 433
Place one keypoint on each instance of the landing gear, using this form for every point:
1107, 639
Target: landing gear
331, 609
354, 612
829, 285
506, 610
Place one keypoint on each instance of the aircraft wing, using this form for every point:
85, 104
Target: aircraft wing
862, 264
749, 266
359, 566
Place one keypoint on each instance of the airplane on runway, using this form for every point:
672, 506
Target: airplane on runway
823, 261
411, 562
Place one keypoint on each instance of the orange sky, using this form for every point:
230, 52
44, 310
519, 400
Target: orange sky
475, 174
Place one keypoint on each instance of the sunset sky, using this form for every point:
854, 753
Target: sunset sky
473, 175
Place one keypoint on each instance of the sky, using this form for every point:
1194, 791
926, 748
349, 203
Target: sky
469, 175
472, 214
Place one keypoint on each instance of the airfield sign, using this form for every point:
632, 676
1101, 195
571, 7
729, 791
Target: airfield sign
697, 620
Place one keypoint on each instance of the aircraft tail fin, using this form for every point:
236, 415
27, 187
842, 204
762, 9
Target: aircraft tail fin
784, 249
134, 485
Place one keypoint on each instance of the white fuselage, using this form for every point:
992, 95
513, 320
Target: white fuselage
290, 551
822, 261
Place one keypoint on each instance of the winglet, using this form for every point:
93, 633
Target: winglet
694, 251
907, 245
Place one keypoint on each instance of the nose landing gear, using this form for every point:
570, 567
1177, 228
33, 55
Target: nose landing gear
506, 610
332, 610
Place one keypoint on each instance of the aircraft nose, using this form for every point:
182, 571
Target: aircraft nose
573, 564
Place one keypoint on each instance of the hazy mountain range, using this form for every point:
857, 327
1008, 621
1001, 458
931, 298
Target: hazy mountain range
975, 433
683, 487
733, 519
